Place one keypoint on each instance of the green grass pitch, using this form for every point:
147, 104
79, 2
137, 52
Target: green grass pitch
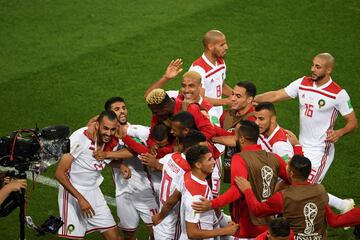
60, 60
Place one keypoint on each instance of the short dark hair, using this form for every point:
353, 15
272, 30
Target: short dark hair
185, 118
160, 131
195, 153
279, 227
249, 87
266, 106
109, 114
193, 138
249, 130
111, 101
301, 166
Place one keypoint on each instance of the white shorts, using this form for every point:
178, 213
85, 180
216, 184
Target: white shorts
320, 162
131, 207
216, 177
76, 225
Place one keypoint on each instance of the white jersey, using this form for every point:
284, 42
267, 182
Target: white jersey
277, 143
174, 168
139, 181
192, 188
319, 108
212, 78
85, 169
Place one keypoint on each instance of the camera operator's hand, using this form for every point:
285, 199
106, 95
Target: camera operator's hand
86, 208
17, 185
13, 186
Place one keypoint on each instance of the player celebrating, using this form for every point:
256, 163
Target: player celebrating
135, 196
273, 138
321, 100
193, 187
79, 176
304, 205
212, 69
261, 168
174, 168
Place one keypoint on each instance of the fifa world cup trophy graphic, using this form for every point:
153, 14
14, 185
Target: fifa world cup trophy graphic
266, 174
310, 212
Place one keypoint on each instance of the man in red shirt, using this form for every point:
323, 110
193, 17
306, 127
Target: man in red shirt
304, 205
163, 107
261, 168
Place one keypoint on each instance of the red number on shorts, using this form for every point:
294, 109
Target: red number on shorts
165, 187
218, 91
309, 110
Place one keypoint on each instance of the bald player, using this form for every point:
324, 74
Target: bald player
212, 69
321, 100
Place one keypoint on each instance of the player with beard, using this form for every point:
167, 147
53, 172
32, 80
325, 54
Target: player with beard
273, 138
82, 205
212, 69
135, 192
321, 100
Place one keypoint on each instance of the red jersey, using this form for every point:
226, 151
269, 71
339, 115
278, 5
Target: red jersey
239, 168
275, 205
202, 123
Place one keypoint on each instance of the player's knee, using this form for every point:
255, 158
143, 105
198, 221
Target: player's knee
111, 234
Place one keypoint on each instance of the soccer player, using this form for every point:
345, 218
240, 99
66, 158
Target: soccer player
135, 196
174, 168
261, 168
212, 69
241, 109
304, 205
163, 107
193, 187
273, 138
81, 203
321, 100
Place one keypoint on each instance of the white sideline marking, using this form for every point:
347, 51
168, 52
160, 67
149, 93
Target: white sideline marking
53, 183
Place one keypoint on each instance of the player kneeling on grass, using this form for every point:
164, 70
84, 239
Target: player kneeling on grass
81, 203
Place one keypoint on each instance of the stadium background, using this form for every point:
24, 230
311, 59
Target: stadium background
60, 60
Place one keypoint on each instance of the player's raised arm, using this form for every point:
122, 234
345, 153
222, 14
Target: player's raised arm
61, 175
272, 96
171, 72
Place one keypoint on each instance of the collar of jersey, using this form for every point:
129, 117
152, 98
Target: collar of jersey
323, 86
198, 180
208, 62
